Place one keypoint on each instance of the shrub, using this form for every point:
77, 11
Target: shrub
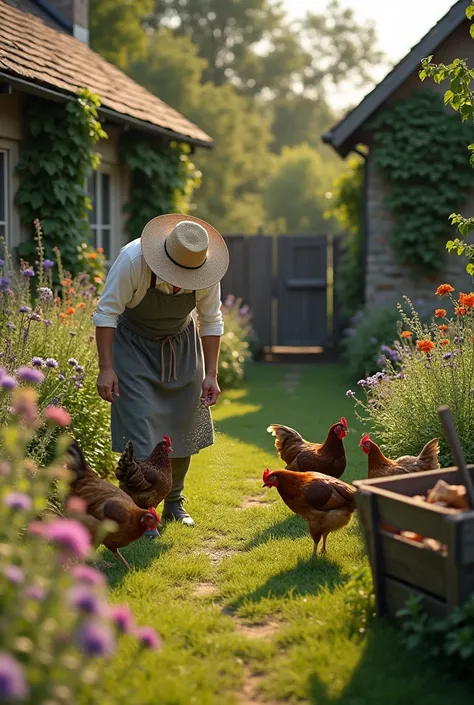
56, 628
49, 329
236, 342
435, 366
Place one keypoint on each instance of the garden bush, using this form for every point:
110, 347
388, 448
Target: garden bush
434, 366
56, 627
369, 337
236, 343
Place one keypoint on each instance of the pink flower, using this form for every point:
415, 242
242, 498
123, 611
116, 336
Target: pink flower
148, 638
76, 505
57, 416
70, 535
122, 617
87, 575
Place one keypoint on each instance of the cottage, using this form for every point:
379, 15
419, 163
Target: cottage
44, 52
386, 277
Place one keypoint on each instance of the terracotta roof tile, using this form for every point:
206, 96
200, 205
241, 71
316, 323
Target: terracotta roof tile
34, 51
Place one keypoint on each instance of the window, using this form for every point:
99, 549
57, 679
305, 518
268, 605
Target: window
100, 217
3, 193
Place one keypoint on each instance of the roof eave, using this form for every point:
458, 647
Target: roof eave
42, 90
343, 136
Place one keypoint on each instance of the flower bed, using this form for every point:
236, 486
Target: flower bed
434, 366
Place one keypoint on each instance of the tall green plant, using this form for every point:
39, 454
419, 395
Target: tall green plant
460, 97
57, 156
163, 179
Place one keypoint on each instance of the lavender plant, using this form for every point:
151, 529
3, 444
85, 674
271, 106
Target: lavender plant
433, 365
236, 342
56, 626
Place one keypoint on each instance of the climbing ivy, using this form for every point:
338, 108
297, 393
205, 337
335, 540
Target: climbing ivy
163, 178
421, 149
57, 156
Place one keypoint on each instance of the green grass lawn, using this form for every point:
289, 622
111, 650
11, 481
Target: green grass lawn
245, 615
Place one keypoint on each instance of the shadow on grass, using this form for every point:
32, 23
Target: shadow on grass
387, 674
291, 527
139, 554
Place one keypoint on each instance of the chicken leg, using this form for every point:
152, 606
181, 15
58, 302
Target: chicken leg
316, 540
121, 558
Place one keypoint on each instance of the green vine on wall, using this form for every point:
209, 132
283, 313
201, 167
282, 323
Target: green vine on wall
57, 156
421, 148
163, 179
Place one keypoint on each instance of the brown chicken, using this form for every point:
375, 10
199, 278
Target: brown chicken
147, 482
302, 456
325, 503
104, 502
380, 466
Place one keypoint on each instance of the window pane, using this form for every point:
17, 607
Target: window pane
3, 169
105, 199
2, 231
95, 241
106, 242
92, 190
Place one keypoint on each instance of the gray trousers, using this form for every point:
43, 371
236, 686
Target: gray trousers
180, 468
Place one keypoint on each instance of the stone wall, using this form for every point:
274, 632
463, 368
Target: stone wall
386, 279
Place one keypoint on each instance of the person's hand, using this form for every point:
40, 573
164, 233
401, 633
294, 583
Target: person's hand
107, 385
210, 391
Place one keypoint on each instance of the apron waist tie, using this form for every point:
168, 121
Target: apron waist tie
172, 366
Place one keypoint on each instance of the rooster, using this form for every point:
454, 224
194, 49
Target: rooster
147, 482
107, 502
380, 466
325, 503
302, 456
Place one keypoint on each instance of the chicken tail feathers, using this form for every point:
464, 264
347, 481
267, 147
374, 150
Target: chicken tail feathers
287, 441
429, 455
125, 463
76, 461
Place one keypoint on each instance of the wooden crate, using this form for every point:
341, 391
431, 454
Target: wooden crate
401, 567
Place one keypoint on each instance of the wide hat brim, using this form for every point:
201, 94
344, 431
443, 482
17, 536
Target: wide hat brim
153, 240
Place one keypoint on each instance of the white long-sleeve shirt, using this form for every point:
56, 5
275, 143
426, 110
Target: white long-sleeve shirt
127, 283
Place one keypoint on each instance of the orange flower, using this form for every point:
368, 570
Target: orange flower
461, 311
57, 300
70, 311
100, 250
467, 300
443, 327
81, 305
66, 282
92, 255
62, 316
444, 289
425, 346
98, 280
406, 334
440, 312
445, 341
72, 291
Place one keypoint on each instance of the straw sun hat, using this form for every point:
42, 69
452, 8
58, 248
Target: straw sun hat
184, 251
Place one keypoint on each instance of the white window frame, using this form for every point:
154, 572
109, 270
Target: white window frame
98, 228
6, 195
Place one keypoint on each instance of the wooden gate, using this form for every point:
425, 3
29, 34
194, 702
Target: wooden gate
287, 280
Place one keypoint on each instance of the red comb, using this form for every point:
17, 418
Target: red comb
266, 473
344, 424
167, 440
365, 438
152, 511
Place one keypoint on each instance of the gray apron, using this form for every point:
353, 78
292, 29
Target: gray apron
157, 356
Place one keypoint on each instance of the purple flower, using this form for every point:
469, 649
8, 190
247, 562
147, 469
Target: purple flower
350, 393
36, 592
11, 325
61, 377
25, 309
380, 361
244, 310
51, 362
447, 356
47, 323
18, 500
45, 293
4, 283
8, 382
37, 362
95, 639
386, 349
2, 262
122, 617
28, 374
28, 272
79, 385
48, 264
148, 638
13, 684
394, 356
14, 574
81, 598
230, 300
70, 535
79, 368
87, 575
35, 317
73, 362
